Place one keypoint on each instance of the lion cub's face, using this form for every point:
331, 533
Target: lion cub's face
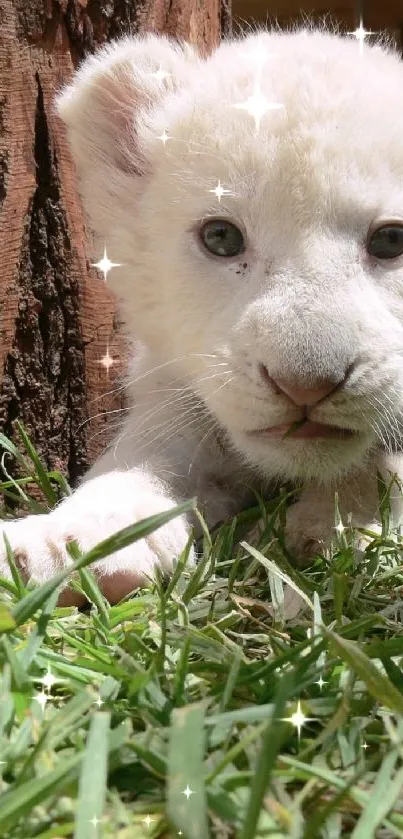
264, 251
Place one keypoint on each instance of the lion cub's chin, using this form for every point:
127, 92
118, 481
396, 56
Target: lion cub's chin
305, 458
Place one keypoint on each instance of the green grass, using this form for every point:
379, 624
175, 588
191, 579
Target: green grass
191, 686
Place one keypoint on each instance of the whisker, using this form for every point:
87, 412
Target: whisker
173, 426
129, 382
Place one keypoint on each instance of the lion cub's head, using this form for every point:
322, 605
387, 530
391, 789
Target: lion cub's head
255, 202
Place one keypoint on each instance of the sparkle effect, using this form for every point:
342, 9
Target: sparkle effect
360, 34
95, 822
105, 264
257, 104
148, 821
164, 137
42, 698
298, 719
49, 680
219, 191
107, 361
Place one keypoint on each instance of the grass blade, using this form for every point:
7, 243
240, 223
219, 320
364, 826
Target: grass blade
92, 786
188, 812
271, 741
41, 475
385, 792
274, 569
19, 801
377, 683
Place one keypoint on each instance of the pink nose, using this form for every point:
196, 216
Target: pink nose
301, 395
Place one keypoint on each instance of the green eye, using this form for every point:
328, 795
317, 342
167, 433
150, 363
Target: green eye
386, 242
222, 238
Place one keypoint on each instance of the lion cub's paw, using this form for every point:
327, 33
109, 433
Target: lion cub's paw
311, 530
90, 515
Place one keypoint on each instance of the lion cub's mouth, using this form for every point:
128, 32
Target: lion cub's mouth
306, 430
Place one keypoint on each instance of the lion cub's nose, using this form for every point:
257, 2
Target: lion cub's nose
302, 395
305, 396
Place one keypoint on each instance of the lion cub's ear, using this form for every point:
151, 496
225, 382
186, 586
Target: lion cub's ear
103, 105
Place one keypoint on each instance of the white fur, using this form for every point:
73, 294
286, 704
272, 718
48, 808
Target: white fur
305, 299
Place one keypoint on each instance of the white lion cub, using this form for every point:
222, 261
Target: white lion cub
254, 200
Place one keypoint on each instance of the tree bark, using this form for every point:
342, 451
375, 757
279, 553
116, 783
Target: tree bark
57, 316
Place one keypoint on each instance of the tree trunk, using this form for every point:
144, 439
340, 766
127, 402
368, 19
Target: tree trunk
58, 323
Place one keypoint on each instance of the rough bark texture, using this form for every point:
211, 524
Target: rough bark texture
57, 317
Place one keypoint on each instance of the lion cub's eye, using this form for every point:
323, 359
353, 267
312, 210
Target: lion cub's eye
386, 242
222, 238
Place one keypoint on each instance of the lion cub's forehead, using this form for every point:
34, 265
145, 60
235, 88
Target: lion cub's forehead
303, 61
295, 80
287, 119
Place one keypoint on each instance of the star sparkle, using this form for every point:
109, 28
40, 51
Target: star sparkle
107, 361
48, 680
219, 191
42, 698
257, 106
164, 137
298, 719
187, 791
105, 265
95, 822
361, 34
320, 683
148, 821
